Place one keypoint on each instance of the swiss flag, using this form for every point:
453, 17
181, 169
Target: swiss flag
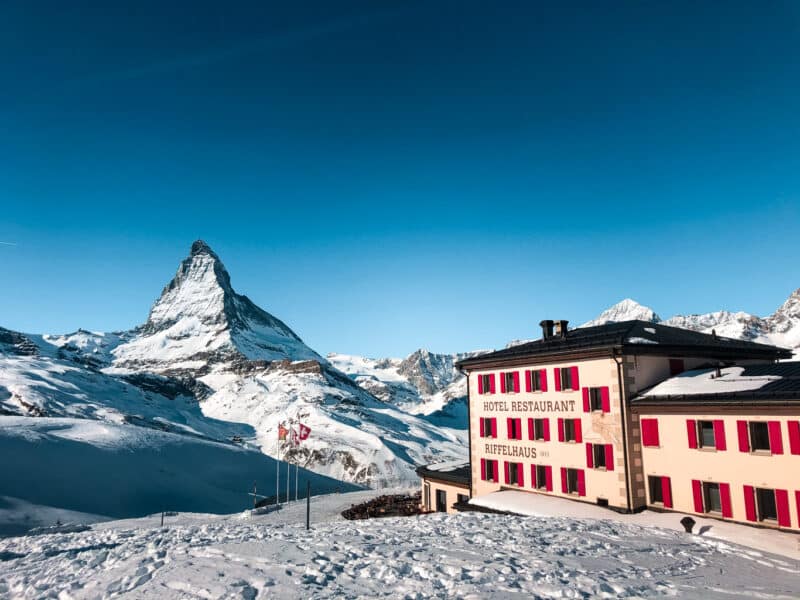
305, 431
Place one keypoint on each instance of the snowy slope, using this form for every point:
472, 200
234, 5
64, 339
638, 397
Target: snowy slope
116, 470
468, 555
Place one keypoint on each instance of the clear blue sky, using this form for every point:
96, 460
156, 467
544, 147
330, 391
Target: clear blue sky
384, 177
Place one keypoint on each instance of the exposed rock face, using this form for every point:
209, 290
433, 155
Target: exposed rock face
13, 342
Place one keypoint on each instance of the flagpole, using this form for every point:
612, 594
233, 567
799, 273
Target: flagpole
288, 478
278, 472
296, 478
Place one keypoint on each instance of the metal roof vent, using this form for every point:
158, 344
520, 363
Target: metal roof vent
547, 329
561, 329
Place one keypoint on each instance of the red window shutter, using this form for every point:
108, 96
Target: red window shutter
516, 381
509, 431
609, 457
666, 492
560, 429
496, 470
697, 492
506, 465
575, 383
530, 429
520, 475
782, 504
519, 428
548, 474
581, 483
749, 503
482, 423
794, 438
691, 432
589, 456
546, 429
528, 375
797, 501
502, 383
744, 441
606, 398
578, 436
480, 384
483, 469
564, 480
543, 379
491, 383
534, 483
557, 379
586, 406
775, 440
725, 499
494, 427
675, 366
650, 432
719, 435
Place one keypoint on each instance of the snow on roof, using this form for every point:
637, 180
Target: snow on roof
640, 340
705, 381
448, 466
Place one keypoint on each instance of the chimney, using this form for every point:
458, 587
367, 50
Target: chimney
547, 329
561, 329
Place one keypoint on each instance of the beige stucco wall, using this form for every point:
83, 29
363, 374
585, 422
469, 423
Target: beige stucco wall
597, 428
682, 464
452, 494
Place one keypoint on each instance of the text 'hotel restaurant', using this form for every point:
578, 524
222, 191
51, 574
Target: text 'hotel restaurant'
633, 415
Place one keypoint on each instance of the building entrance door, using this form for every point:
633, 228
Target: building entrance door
441, 501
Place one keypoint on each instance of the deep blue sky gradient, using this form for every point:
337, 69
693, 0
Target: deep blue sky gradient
385, 176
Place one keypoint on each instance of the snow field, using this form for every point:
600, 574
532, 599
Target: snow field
468, 555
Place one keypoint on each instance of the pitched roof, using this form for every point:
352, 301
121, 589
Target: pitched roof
759, 384
633, 337
458, 473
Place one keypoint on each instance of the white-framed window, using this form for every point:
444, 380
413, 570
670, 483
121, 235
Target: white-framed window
538, 429
712, 500
595, 398
759, 436
599, 456
569, 431
767, 507
656, 489
566, 379
705, 434
536, 380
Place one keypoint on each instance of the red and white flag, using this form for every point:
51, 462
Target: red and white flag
282, 432
305, 431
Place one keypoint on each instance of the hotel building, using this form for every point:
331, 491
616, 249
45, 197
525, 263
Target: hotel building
632, 415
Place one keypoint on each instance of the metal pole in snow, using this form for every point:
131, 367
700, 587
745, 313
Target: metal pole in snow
277, 483
288, 479
308, 505
296, 480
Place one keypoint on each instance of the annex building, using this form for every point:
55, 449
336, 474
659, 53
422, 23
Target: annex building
633, 415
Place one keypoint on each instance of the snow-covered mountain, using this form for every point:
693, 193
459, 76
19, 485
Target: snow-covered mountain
626, 310
209, 362
781, 328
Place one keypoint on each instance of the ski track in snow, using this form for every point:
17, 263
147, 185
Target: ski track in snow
469, 555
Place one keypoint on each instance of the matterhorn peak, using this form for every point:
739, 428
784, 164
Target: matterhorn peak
625, 310
199, 319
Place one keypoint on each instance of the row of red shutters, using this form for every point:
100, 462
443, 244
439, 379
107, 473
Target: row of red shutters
781, 502
650, 435
528, 384
781, 496
514, 426
547, 483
